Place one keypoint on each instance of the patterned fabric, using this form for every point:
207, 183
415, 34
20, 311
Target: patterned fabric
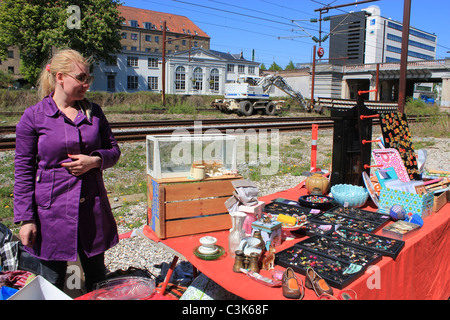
396, 135
203, 288
9, 250
16, 279
173, 290
9, 254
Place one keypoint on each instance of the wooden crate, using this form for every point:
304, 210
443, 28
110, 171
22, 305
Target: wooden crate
178, 206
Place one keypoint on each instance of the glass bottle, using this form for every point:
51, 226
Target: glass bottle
236, 232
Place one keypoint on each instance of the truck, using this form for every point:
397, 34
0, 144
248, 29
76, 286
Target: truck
247, 95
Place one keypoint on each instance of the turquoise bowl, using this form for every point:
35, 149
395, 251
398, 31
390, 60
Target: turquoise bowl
355, 196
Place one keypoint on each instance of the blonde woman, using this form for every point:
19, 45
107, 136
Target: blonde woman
63, 143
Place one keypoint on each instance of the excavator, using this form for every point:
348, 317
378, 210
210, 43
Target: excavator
248, 95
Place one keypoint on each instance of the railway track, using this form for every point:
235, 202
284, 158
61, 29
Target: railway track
138, 130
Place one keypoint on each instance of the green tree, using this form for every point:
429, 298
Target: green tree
275, 67
290, 66
262, 67
37, 27
6, 79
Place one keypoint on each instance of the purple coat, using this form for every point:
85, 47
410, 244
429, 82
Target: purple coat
67, 209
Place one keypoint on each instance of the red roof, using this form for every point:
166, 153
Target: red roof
175, 23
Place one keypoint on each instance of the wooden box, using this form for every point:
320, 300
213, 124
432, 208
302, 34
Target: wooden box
180, 206
440, 200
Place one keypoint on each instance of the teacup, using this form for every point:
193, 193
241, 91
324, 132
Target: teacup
208, 245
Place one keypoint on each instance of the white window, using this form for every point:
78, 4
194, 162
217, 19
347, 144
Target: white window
251, 69
230, 68
133, 23
214, 80
180, 78
198, 79
132, 61
241, 68
152, 62
132, 82
152, 83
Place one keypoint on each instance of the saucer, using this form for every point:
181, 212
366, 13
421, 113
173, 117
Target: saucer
207, 250
213, 256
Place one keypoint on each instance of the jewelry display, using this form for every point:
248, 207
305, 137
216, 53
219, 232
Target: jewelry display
386, 246
346, 221
329, 268
288, 209
341, 250
357, 213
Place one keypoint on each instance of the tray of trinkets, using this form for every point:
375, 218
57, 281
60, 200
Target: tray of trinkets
288, 207
373, 216
336, 273
386, 246
358, 256
346, 221
311, 228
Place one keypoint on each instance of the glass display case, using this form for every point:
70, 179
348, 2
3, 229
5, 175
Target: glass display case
176, 156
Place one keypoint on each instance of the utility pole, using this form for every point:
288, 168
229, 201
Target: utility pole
404, 56
164, 65
320, 40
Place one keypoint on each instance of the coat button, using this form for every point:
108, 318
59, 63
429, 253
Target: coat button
82, 200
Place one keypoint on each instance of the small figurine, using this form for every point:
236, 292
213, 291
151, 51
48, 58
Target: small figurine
269, 260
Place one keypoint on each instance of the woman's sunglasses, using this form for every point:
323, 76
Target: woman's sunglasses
82, 78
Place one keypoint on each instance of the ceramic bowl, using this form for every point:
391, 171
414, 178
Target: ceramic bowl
249, 242
317, 202
208, 241
355, 196
250, 250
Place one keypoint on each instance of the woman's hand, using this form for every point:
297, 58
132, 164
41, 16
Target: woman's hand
28, 233
82, 163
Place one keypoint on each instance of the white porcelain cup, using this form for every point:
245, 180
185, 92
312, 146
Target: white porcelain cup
208, 245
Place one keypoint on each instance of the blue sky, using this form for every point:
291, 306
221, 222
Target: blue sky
258, 25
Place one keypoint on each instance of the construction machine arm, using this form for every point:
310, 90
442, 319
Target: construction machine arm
268, 81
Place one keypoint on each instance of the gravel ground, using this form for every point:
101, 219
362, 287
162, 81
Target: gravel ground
140, 253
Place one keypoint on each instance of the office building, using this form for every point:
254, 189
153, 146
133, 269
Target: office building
366, 37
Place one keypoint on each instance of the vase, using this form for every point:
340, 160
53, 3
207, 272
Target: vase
236, 233
317, 184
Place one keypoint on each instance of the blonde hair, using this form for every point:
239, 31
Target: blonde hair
60, 62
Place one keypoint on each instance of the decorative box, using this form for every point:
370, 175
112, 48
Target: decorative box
440, 200
400, 230
270, 232
253, 213
411, 202
174, 156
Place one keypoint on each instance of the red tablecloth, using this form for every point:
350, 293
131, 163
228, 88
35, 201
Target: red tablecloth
420, 271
